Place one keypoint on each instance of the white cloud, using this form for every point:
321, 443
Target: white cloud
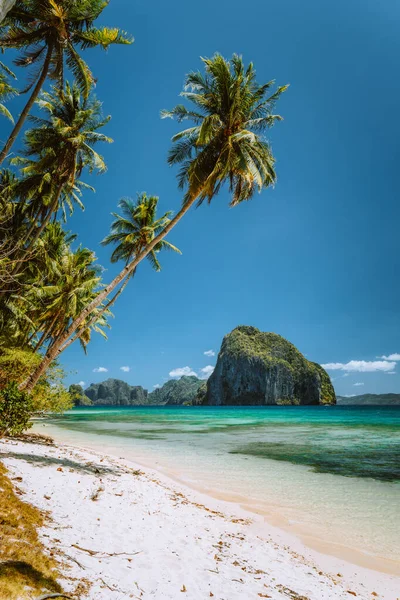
156, 386
361, 366
391, 373
209, 353
206, 372
395, 356
180, 371
100, 370
349, 395
82, 383
358, 383
125, 369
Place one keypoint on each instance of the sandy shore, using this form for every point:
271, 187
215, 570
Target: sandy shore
124, 532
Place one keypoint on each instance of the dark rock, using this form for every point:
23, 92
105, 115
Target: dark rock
114, 392
177, 391
257, 368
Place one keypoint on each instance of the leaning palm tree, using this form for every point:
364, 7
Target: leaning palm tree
48, 34
57, 150
226, 144
133, 229
6, 91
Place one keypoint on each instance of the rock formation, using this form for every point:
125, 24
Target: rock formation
114, 392
177, 391
257, 368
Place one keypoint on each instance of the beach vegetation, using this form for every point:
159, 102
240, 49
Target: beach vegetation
16, 409
49, 394
50, 35
26, 569
78, 395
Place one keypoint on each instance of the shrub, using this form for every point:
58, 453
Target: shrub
49, 395
16, 409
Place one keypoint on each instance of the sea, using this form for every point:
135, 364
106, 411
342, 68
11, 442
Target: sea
328, 475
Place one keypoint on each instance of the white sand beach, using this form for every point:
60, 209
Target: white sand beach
122, 531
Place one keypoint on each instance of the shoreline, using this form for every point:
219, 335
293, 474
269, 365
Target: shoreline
298, 533
221, 546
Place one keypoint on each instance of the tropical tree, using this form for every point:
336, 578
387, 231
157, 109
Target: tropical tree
6, 91
56, 152
135, 228
226, 144
48, 34
131, 232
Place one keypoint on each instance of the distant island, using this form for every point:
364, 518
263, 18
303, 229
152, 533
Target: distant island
370, 400
253, 368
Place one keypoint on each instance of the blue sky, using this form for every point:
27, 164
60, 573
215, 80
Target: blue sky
317, 258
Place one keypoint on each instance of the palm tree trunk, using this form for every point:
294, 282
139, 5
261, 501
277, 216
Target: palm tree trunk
56, 349
47, 331
39, 231
51, 210
98, 315
28, 106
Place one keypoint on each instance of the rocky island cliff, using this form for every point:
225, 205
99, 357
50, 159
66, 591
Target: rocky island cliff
258, 368
114, 392
177, 391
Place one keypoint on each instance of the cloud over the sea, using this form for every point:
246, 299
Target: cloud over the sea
181, 371
100, 370
206, 372
209, 353
125, 369
359, 383
394, 356
361, 366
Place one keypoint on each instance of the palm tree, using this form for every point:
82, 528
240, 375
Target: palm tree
232, 111
22, 308
57, 151
6, 91
74, 285
50, 33
131, 232
136, 228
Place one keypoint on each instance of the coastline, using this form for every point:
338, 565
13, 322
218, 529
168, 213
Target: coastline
304, 526
168, 538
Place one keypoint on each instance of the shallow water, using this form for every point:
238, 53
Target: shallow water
329, 474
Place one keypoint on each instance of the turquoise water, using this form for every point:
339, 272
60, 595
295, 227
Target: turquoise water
319, 472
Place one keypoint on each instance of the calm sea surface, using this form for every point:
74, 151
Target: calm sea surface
331, 475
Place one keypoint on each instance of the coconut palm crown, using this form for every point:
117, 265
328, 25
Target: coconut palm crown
49, 34
58, 148
61, 28
230, 115
135, 228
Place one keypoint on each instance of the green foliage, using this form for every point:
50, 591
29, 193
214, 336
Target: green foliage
49, 394
327, 392
137, 227
78, 396
61, 28
177, 391
274, 350
57, 150
231, 112
6, 91
16, 409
